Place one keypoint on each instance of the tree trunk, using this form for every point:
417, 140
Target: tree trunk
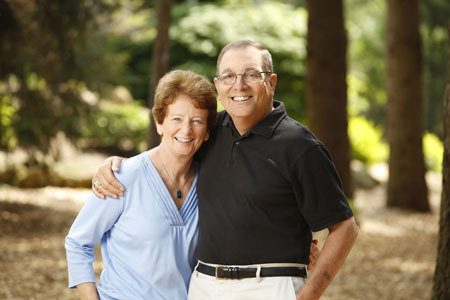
406, 187
441, 281
326, 86
160, 62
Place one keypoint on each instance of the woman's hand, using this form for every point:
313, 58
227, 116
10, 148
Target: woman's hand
104, 183
313, 255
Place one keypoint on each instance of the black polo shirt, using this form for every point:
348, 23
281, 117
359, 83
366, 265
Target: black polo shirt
262, 194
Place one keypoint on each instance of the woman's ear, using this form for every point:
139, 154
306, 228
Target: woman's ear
159, 128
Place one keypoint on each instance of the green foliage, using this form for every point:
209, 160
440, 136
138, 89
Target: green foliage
434, 20
130, 42
365, 21
198, 32
366, 141
52, 52
45, 57
366, 25
117, 125
49, 38
8, 139
32, 113
433, 151
205, 29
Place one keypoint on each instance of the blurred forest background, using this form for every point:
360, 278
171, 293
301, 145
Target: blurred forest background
76, 80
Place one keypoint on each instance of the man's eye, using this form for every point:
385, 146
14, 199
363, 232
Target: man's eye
252, 75
228, 76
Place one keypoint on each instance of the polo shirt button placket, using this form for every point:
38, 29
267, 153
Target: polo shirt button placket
235, 143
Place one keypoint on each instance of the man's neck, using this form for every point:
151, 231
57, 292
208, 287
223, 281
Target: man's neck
244, 124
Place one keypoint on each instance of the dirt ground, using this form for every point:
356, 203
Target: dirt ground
393, 258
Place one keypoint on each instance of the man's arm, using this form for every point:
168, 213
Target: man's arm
313, 254
337, 246
109, 185
87, 291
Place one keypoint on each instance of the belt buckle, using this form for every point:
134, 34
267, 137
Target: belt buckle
220, 278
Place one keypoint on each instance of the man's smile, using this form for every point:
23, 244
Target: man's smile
241, 98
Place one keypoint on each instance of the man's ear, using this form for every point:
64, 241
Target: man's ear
216, 83
273, 82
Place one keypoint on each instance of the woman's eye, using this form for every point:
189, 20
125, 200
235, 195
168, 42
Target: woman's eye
197, 121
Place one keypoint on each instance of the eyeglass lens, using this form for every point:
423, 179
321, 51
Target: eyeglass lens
248, 76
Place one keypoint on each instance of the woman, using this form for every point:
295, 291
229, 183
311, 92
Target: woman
149, 236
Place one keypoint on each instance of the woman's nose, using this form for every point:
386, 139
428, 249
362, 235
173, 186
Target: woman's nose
187, 126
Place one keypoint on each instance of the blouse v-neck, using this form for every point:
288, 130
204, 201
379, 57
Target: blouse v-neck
164, 199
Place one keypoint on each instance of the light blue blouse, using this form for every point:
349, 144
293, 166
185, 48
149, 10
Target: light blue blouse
148, 246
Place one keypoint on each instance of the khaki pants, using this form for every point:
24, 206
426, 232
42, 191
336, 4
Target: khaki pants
205, 287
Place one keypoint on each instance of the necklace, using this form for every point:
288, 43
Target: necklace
179, 195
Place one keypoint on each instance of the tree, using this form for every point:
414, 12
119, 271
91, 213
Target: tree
326, 87
406, 187
441, 281
44, 59
160, 64
433, 27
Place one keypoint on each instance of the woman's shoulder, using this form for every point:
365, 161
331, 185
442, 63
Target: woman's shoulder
131, 168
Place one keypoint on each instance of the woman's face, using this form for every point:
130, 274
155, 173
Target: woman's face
184, 128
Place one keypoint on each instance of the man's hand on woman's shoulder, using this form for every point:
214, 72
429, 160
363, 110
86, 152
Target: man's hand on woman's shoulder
104, 183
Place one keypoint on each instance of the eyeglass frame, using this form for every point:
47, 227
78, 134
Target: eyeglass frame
242, 76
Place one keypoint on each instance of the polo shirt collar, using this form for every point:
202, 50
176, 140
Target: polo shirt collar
267, 126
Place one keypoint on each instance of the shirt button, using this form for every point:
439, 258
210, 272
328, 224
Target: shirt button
236, 143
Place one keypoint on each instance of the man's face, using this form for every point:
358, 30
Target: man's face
245, 102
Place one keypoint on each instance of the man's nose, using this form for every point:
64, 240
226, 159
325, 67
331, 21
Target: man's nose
240, 82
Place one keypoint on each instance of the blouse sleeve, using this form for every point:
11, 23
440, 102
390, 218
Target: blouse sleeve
95, 218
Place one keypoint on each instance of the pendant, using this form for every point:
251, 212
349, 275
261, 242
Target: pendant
179, 194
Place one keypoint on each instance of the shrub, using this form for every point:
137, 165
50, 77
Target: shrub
366, 141
433, 151
117, 126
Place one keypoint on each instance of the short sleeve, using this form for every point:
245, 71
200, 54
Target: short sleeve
318, 189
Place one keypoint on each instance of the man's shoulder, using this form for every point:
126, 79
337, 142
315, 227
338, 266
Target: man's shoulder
294, 132
221, 115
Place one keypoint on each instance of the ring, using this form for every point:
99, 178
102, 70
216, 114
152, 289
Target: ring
96, 184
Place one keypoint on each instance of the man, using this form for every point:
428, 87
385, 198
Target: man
265, 184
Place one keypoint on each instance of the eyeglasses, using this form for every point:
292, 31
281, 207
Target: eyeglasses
248, 76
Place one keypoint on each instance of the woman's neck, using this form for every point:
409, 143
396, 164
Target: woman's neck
177, 167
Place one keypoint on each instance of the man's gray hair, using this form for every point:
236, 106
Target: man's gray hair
242, 44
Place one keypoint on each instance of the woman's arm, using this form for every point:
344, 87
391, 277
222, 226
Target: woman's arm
95, 218
87, 291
